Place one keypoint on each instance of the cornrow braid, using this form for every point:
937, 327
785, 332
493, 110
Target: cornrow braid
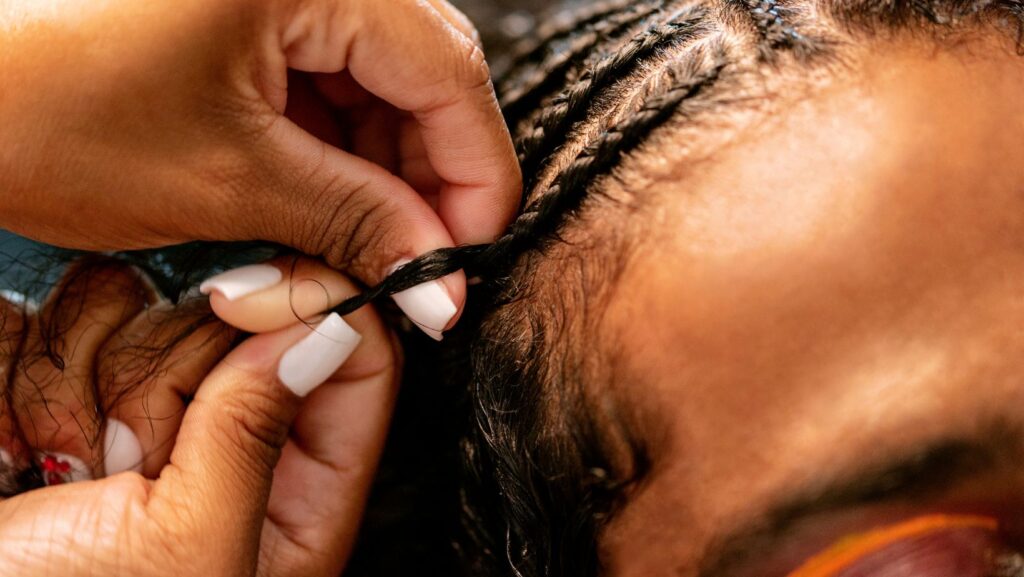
543, 216
600, 157
515, 103
772, 21
571, 107
561, 200
530, 52
861, 15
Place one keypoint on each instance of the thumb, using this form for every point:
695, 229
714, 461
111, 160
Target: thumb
233, 431
363, 220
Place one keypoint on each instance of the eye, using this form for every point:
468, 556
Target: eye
927, 546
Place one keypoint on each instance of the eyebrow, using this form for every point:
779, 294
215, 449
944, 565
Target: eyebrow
912, 476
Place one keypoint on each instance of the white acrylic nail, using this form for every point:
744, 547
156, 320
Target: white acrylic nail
427, 305
60, 468
237, 283
436, 335
121, 449
311, 361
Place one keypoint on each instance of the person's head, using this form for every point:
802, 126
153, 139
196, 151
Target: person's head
766, 290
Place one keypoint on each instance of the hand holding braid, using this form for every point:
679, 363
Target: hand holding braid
364, 132
542, 218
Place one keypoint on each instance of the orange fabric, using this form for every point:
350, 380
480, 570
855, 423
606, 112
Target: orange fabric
846, 551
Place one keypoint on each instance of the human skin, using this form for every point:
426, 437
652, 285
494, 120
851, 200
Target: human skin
839, 285
240, 476
363, 132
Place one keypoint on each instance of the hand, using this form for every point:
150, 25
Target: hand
259, 481
366, 132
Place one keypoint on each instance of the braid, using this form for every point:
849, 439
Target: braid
572, 105
543, 217
564, 197
771, 20
549, 73
530, 53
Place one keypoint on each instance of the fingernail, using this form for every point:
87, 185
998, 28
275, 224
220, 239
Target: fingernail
237, 283
60, 468
311, 361
427, 305
121, 449
436, 335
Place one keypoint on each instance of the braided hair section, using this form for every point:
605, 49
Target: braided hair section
543, 140
559, 202
529, 54
774, 30
774, 23
518, 101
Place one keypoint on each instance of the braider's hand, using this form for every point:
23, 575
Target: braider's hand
366, 132
265, 472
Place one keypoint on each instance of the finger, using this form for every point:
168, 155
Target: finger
415, 163
371, 131
366, 123
437, 73
327, 467
310, 111
362, 219
232, 433
342, 91
145, 374
457, 19
53, 394
307, 288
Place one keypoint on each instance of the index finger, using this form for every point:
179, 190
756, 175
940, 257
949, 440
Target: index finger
410, 55
326, 471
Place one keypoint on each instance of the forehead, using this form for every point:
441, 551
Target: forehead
840, 280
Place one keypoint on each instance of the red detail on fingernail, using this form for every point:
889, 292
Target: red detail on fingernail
54, 470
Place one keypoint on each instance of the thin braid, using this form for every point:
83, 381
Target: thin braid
545, 215
551, 73
530, 52
599, 158
774, 24
572, 106
771, 21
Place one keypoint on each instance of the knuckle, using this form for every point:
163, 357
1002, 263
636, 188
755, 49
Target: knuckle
476, 74
254, 425
114, 519
467, 77
351, 236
